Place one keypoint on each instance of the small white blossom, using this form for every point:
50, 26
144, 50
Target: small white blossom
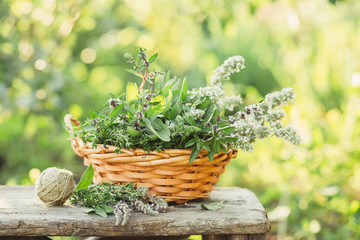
231, 65
277, 99
212, 92
287, 133
276, 115
196, 114
230, 102
171, 126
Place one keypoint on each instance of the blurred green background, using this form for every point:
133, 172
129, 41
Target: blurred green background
59, 57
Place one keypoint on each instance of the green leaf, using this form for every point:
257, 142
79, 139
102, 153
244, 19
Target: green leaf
107, 209
208, 113
228, 130
211, 155
223, 149
157, 105
86, 178
93, 114
133, 72
183, 94
153, 57
216, 146
207, 148
205, 104
168, 102
190, 120
194, 153
214, 206
158, 128
174, 111
133, 132
152, 137
132, 92
89, 210
168, 86
115, 112
190, 143
195, 128
101, 212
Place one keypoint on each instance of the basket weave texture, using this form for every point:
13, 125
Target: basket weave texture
167, 173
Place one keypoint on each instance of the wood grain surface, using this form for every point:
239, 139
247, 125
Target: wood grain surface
23, 214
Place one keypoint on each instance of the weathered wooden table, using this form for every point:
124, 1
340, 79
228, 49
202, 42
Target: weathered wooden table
243, 217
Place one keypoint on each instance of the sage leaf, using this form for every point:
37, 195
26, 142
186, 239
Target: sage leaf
157, 105
101, 212
107, 209
161, 129
175, 111
89, 210
214, 206
86, 178
133, 132
132, 92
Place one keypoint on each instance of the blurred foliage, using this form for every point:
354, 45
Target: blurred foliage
59, 57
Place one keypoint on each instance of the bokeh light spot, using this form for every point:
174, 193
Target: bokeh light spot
34, 173
88, 55
40, 94
355, 79
315, 226
40, 64
26, 7
76, 110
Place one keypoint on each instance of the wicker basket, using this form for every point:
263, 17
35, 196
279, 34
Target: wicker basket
167, 174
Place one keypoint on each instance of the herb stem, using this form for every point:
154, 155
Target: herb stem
144, 79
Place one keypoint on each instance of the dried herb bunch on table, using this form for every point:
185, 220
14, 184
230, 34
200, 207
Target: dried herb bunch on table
118, 199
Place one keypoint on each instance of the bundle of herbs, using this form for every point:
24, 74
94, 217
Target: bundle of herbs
119, 199
167, 115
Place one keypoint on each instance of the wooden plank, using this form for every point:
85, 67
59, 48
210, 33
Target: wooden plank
23, 214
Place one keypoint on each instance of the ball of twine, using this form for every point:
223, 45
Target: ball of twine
54, 186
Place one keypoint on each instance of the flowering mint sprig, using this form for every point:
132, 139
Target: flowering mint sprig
231, 102
278, 99
214, 93
263, 120
231, 65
